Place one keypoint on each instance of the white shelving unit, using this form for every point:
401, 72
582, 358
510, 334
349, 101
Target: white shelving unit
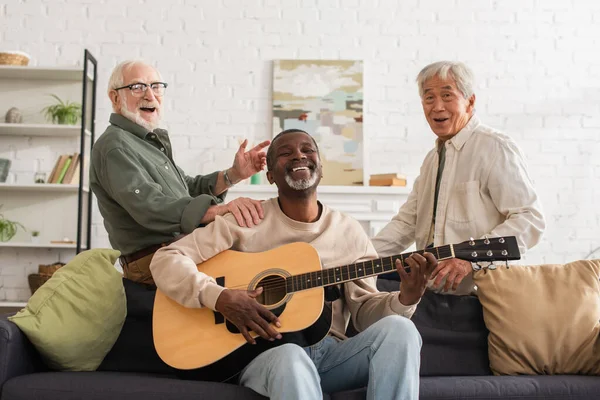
57, 211
12, 304
40, 187
32, 245
41, 130
42, 73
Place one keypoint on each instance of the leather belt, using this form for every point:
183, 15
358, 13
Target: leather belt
129, 258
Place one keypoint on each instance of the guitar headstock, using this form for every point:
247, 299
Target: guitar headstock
503, 248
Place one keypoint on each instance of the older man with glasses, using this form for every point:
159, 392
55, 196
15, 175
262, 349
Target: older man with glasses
146, 200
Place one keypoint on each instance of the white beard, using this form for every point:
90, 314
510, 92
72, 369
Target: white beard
137, 117
302, 184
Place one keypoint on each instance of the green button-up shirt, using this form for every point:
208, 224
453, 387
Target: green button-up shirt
144, 197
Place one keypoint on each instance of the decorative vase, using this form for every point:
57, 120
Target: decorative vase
14, 116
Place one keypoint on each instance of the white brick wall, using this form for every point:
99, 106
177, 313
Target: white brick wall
536, 64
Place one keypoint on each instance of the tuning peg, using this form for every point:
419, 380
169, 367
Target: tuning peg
474, 254
504, 252
489, 253
471, 241
501, 240
486, 241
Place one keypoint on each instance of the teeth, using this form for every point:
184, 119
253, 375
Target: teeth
298, 168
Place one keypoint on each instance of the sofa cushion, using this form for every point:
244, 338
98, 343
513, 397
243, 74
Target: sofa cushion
117, 386
75, 317
556, 387
543, 319
134, 349
454, 334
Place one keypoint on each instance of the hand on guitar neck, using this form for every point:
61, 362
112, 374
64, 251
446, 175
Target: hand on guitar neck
241, 308
413, 280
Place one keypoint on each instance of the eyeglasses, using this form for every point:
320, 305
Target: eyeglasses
138, 89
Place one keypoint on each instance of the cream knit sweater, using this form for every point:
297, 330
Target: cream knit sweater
338, 239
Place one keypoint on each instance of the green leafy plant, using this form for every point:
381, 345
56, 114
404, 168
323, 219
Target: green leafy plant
8, 228
63, 113
35, 233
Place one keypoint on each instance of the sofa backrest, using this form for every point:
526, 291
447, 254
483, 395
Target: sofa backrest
453, 331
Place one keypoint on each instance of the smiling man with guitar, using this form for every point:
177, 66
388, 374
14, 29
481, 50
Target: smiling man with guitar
273, 327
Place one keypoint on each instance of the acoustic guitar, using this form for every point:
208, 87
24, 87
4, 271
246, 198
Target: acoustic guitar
293, 289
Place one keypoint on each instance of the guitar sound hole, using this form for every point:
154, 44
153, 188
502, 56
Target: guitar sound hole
273, 290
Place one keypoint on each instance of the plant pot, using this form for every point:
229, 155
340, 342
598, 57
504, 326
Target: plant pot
35, 239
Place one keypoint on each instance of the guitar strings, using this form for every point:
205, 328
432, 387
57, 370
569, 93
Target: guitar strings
282, 282
387, 262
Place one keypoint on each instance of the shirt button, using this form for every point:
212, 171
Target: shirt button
162, 149
137, 191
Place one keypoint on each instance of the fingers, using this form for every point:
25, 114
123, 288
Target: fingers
242, 148
246, 215
449, 280
255, 293
457, 281
234, 209
261, 146
246, 334
432, 262
258, 329
440, 276
269, 316
437, 269
401, 271
247, 212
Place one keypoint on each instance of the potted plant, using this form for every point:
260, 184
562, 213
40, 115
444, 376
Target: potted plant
35, 236
64, 112
8, 228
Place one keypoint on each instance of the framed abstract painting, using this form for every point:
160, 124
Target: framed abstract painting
325, 99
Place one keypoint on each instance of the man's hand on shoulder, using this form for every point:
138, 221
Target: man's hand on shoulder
241, 308
414, 283
454, 270
247, 212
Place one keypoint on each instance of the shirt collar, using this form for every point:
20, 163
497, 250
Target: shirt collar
464, 134
130, 126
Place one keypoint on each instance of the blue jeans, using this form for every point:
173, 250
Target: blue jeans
385, 358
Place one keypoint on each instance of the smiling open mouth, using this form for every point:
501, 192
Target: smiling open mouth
300, 169
148, 109
441, 119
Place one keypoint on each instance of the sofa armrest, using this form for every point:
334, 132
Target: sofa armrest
17, 354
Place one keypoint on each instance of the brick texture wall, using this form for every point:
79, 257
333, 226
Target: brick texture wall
536, 63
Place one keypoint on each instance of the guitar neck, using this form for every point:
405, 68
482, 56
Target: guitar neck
337, 275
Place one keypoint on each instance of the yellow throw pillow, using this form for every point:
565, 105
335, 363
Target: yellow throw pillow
542, 319
74, 319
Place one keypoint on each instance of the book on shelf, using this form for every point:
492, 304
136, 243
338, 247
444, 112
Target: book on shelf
66, 169
388, 176
387, 180
73, 170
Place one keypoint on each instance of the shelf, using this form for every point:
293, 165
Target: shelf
41, 73
326, 189
41, 130
12, 304
41, 187
39, 245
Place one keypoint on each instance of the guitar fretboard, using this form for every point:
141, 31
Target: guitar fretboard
337, 275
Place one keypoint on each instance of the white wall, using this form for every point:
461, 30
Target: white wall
536, 62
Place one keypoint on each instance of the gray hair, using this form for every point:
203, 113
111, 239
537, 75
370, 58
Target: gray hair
116, 77
462, 75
